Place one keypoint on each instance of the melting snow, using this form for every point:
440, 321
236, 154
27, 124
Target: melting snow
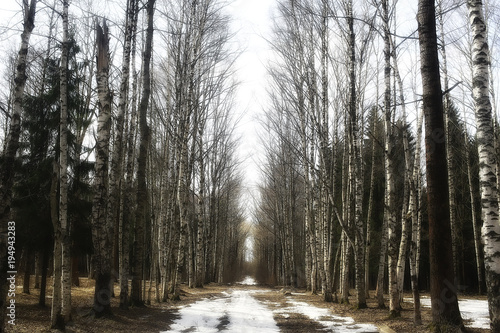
248, 281
237, 311
332, 322
471, 309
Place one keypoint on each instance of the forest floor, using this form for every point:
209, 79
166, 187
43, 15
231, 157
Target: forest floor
242, 307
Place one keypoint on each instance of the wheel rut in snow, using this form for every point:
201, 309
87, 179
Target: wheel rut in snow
246, 308
235, 311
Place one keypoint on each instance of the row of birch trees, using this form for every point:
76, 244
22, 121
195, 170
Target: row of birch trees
124, 169
346, 200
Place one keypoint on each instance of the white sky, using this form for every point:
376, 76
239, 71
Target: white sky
252, 22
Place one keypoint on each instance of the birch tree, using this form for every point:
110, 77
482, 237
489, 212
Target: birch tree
102, 232
390, 209
61, 308
142, 190
126, 209
487, 158
117, 159
12, 145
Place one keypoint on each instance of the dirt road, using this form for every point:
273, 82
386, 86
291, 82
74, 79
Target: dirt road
245, 308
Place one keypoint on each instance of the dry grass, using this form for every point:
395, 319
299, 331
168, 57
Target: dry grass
158, 317
30, 317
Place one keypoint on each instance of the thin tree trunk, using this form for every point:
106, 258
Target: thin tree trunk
63, 173
369, 216
43, 282
56, 319
356, 135
102, 233
475, 224
487, 159
390, 209
405, 213
201, 216
415, 226
28, 258
125, 222
7, 164
449, 145
116, 167
142, 191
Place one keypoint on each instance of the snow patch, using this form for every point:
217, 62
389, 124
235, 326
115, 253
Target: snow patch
248, 281
237, 311
332, 322
474, 311
246, 314
202, 316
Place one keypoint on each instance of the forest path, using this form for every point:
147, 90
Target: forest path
247, 308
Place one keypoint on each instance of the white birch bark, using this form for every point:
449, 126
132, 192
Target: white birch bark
390, 211
487, 159
12, 140
415, 188
11, 145
406, 211
369, 215
63, 172
136, 294
117, 159
125, 221
102, 233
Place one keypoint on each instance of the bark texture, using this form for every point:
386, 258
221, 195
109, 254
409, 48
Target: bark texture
142, 191
102, 231
445, 309
7, 161
487, 159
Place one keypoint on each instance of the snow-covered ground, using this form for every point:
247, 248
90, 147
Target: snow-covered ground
324, 316
238, 311
473, 310
248, 281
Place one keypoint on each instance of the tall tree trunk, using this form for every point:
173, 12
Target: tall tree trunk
125, 221
449, 144
415, 224
142, 191
201, 216
102, 232
390, 209
63, 172
475, 224
406, 210
43, 282
369, 215
116, 170
56, 320
487, 159
7, 165
356, 135
445, 309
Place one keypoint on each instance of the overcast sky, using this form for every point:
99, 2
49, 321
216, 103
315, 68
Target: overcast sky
252, 25
252, 22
